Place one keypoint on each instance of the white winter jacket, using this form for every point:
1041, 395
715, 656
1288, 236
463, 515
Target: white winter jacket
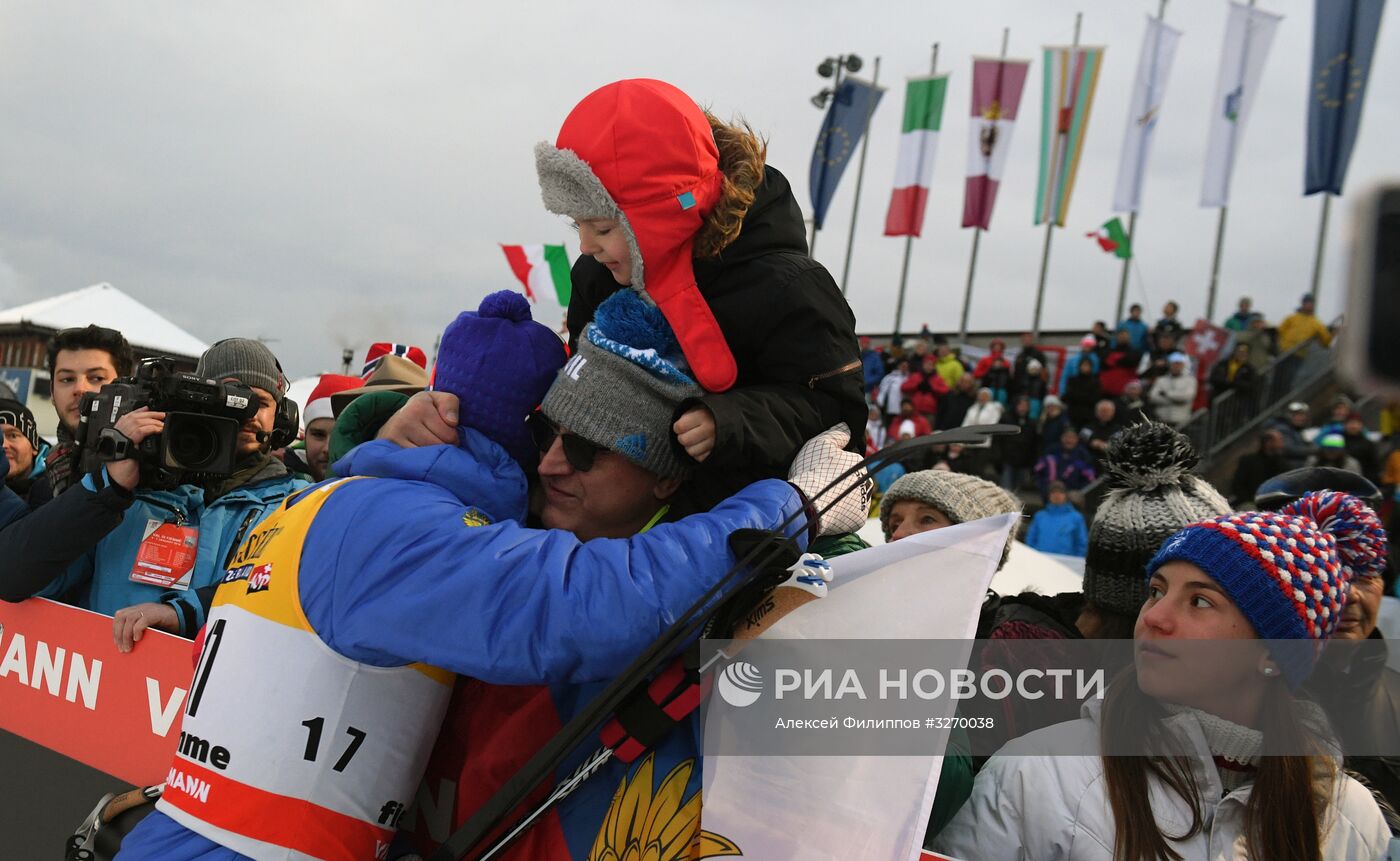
1172, 398
888, 396
1055, 808
983, 414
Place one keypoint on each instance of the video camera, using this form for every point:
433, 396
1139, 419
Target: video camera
202, 419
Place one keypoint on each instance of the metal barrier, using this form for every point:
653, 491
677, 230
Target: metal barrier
1296, 375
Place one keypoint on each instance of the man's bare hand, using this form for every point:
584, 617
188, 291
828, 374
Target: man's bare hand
137, 425
130, 623
429, 418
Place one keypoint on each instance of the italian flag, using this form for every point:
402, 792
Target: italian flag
541, 267
923, 114
1113, 238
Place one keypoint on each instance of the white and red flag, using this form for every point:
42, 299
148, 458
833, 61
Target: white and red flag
1206, 344
996, 96
923, 116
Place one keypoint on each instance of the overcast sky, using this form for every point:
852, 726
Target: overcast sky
325, 175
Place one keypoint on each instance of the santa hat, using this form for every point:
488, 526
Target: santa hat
318, 403
641, 152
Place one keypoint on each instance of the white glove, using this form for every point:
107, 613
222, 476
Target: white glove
810, 573
817, 464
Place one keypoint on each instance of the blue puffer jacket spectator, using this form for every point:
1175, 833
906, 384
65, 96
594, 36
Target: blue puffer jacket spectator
1059, 527
1137, 327
873, 363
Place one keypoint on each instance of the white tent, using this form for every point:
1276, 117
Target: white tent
107, 306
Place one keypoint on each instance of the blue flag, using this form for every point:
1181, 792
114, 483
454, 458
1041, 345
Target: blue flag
1344, 42
836, 144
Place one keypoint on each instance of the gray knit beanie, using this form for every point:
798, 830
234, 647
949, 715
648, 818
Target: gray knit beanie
1152, 494
962, 497
623, 387
245, 360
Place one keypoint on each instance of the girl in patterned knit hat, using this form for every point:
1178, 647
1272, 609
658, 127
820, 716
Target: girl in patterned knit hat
1275, 585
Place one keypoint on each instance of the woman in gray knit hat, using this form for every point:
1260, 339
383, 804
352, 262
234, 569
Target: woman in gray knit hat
1152, 494
935, 498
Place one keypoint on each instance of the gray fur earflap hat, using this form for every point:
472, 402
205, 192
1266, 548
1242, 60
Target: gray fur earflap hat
1152, 494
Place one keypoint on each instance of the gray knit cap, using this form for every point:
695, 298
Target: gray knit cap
1152, 494
245, 360
961, 497
621, 390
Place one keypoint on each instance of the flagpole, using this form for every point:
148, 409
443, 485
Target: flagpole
1321, 243
1229, 174
860, 173
1050, 222
908, 240
1132, 216
977, 230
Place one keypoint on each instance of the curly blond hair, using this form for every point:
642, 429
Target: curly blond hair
741, 157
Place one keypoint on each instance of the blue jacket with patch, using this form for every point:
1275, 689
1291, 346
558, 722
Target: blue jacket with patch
82, 546
396, 572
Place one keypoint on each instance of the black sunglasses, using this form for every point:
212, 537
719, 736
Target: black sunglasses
579, 452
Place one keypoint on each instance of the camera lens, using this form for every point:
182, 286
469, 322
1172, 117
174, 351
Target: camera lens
192, 444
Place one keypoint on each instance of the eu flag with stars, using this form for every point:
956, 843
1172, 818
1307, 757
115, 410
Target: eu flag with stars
1344, 43
841, 130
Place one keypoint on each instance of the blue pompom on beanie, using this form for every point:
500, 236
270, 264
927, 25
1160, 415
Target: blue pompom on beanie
499, 363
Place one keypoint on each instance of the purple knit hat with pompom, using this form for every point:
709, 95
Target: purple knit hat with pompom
499, 363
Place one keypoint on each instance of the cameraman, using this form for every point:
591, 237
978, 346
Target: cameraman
83, 547
81, 360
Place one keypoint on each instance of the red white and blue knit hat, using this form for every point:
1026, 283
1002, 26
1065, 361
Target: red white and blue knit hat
1288, 571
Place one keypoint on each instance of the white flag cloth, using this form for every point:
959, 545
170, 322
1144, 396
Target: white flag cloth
1154, 65
926, 586
1248, 35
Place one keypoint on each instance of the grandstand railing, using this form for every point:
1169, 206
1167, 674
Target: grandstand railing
1294, 375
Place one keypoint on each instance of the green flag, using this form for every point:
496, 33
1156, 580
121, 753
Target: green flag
1112, 237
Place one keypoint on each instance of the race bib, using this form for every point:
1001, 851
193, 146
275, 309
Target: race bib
167, 555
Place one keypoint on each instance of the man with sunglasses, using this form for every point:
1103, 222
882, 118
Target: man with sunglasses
610, 467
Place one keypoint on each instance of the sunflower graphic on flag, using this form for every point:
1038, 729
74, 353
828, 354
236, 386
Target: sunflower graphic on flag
659, 825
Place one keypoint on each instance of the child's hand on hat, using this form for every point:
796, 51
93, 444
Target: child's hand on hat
429, 418
695, 431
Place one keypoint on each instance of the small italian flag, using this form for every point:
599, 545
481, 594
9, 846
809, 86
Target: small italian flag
540, 267
923, 115
1112, 237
